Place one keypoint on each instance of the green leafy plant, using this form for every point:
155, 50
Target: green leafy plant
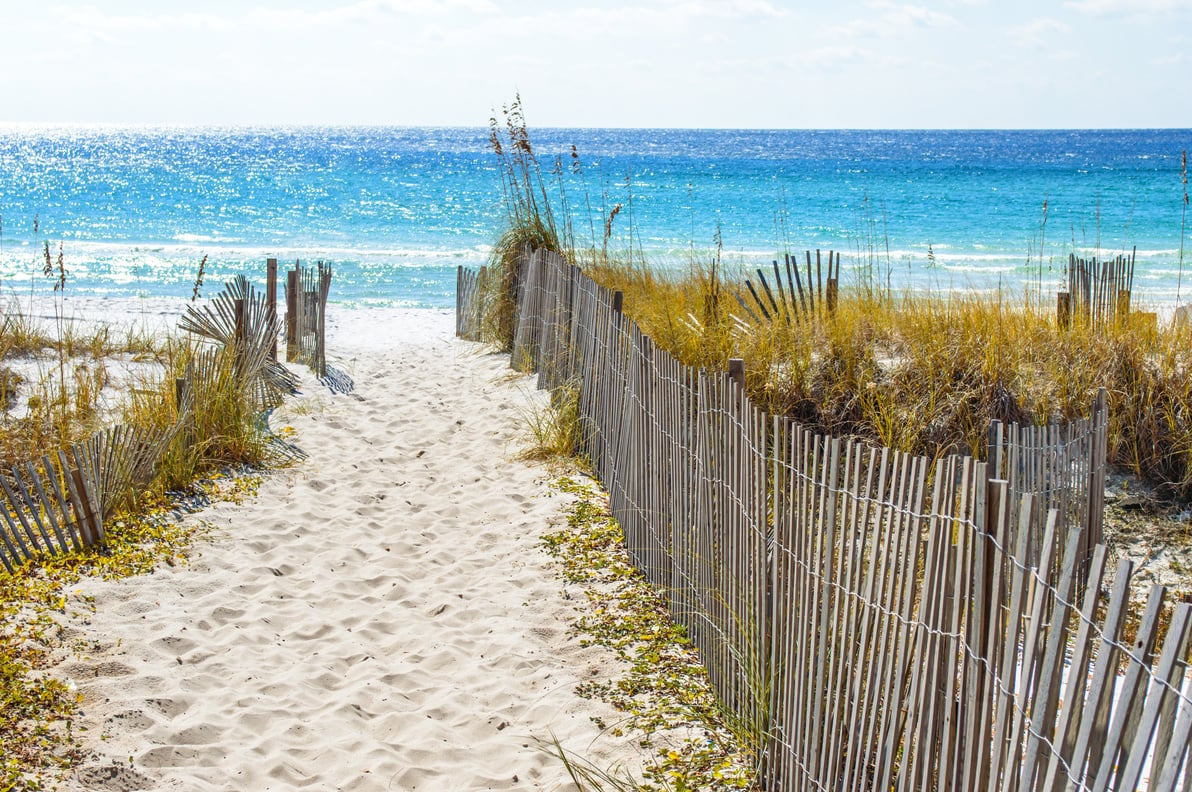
664, 689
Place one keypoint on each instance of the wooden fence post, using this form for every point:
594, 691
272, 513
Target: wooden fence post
831, 296
238, 339
92, 526
1096, 506
478, 302
988, 606
736, 371
321, 324
459, 300
993, 448
819, 280
271, 298
180, 385
618, 302
1123, 305
1063, 309
291, 314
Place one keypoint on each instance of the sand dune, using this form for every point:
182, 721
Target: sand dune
378, 618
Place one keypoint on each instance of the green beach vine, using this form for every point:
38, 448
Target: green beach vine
664, 693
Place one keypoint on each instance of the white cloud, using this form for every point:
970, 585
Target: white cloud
1128, 7
1039, 32
829, 58
1169, 60
366, 8
261, 18
835, 55
724, 8
893, 20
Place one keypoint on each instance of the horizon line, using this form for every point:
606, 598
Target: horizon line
10, 125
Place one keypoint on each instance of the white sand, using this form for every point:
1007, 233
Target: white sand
380, 617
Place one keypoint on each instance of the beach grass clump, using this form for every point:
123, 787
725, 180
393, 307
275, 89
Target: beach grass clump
20, 334
529, 224
59, 410
556, 427
217, 423
9, 382
926, 372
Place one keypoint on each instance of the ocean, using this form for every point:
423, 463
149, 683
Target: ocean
133, 210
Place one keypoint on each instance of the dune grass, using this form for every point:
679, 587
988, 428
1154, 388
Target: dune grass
927, 372
63, 403
74, 398
71, 399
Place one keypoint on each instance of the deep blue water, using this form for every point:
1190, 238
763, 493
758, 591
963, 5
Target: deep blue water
395, 210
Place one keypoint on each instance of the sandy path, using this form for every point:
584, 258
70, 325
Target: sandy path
379, 618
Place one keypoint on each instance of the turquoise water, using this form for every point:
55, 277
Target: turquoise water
395, 210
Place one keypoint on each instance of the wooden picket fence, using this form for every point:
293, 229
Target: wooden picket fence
877, 620
793, 302
1063, 466
468, 285
307, 290
240, 323
62, 501
1098, 291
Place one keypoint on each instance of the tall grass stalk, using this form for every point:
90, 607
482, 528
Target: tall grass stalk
529, 220
1042, 239
556, 427
194, 295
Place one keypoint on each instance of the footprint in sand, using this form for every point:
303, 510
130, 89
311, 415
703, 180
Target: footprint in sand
171, 708
130, 720
202, 734
109, 668
114, 776
222, 615
168, 756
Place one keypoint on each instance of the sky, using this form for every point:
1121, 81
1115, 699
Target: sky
615, 63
